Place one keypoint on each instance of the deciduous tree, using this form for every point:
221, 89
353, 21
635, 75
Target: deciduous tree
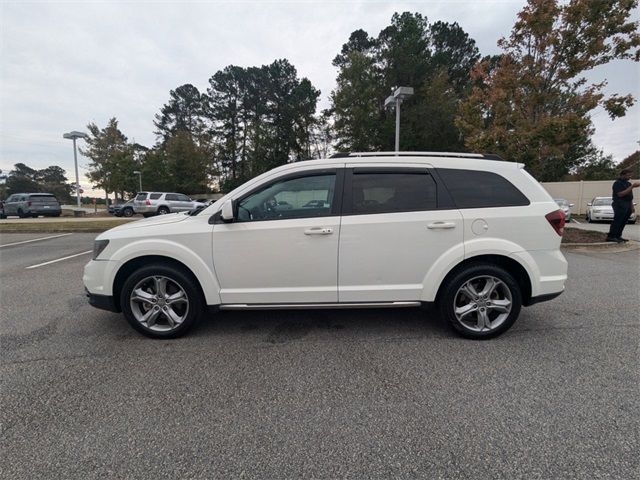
533, 106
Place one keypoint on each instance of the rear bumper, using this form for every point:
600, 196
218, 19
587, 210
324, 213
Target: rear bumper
103, 302
542, 298
144, 209
45, 211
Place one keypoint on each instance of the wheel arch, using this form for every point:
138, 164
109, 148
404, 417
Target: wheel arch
515, 268
127, 268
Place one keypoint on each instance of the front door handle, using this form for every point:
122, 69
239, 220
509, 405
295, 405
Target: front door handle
441, 225
318, 231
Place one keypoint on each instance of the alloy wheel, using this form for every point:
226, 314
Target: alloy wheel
159, 303
482, 303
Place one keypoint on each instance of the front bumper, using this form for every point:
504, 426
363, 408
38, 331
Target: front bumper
602, 217
543, 298
103, 302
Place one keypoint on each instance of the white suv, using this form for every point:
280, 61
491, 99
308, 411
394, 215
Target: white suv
476, 236
161, 203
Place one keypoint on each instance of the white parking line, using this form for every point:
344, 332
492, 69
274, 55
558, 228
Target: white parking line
34, 240
58, 260
579, 223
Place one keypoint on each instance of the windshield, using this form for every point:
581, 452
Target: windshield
601, 202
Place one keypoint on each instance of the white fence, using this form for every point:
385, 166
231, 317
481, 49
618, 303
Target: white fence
580, 193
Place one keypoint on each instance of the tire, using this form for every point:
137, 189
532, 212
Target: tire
474, 279
21, 214
3, 216
589, 219
127, 212
163, 210
175, 279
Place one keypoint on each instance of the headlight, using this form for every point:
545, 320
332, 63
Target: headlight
98, 247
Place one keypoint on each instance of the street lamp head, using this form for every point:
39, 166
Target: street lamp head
136, 172
400, 94
74, 135
390, 101
403, 92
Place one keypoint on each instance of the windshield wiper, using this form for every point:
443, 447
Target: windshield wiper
197, 210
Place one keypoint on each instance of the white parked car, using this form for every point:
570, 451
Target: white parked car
161, 203
600, 210
476, 236
566, 206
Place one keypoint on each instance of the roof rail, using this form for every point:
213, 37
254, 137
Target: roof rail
485, 156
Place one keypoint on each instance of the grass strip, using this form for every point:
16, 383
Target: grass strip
577, 235
62, 227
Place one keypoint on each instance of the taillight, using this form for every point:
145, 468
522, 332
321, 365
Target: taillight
556, 219
147, 202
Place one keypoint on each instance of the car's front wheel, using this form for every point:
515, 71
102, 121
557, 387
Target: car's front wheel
127, 212
481, 301
161, 301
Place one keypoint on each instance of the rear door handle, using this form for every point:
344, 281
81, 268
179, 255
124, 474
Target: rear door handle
318, 231
441, 225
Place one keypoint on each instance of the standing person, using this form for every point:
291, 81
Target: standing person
622, 205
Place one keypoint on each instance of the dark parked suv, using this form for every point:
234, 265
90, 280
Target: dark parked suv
31, 205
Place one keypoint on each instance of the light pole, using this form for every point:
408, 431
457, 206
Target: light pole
139, 173
396, 99
74, 136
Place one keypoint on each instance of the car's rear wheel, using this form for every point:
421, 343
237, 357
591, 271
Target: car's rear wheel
127, 212
163, 210
481, 301
161, 301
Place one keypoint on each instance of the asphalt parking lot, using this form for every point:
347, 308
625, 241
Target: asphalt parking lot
319, 394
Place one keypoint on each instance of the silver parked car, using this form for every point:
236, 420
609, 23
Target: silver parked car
565, 206
31, 205
600, 210
161, 203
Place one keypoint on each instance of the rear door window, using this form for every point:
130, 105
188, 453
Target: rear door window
155, 196
171, 197
480, 189
390, 192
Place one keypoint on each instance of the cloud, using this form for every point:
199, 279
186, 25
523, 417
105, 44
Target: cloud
65, 64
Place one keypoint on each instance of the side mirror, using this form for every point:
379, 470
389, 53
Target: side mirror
571, 204
227, 211
589, 204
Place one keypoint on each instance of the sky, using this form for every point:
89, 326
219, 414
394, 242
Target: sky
65, 64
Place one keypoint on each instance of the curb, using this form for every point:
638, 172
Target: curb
603, 246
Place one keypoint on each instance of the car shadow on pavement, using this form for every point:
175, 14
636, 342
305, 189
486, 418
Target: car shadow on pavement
283, 326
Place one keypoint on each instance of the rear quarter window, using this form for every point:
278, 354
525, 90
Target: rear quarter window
480, 189
141, 196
